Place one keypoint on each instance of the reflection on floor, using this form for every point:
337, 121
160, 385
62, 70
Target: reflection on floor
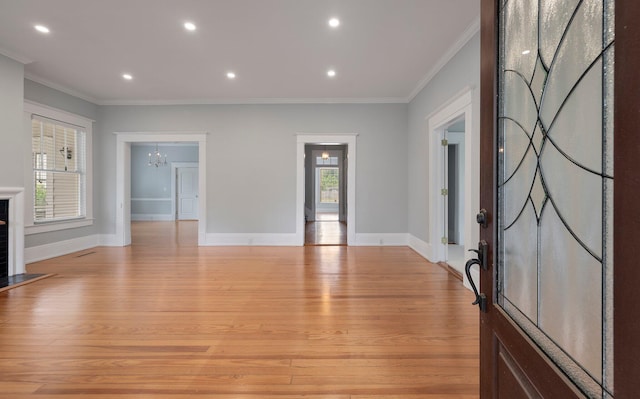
327, 217
179, 233
326, 230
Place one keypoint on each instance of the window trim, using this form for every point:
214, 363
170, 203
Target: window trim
32, 108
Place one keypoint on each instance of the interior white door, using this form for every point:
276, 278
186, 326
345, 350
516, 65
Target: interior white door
187, 182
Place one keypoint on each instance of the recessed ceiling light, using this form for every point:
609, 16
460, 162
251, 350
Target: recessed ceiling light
331, 73
127, 76
526, 52
190, 26
42, 29
334, 22
231, 75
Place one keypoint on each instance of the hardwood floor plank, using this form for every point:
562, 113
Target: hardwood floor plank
16, 387
165, 318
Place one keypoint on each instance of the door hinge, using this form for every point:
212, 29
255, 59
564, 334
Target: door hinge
444, 191
444, 142
444, 240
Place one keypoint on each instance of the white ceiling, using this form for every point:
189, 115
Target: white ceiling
280, 50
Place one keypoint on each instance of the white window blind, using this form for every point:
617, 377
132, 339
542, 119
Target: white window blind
59, 170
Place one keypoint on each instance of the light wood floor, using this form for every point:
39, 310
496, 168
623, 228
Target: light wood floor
325, 233
167, 319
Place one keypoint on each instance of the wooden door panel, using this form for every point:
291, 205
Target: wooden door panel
531, 368
627, 193
512, 381
512, 365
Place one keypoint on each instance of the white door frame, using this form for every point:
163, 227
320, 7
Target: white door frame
123, 174
174, 169
458, 139
339, 153
348, 139
460, 106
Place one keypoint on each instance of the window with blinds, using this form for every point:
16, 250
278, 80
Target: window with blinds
59, 170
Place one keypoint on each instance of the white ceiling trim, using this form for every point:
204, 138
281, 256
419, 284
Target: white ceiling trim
61, 88
16, 57
466, 36
165, 144
234, 101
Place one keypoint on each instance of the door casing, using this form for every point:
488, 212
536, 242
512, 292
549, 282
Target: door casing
460, 106
123, 178
348, 139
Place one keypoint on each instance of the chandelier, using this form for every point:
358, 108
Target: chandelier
156, 159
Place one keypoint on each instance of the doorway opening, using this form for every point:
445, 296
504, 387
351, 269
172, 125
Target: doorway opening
454, 194
317, 196
325, 195
164, 186
453, 183
131, 201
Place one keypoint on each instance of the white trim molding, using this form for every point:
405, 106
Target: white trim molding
460, 106
348, 139
123, 177
381, 239
248, 239
146, 217
442, 62
60, 248
421, 247
108, 240
15, 195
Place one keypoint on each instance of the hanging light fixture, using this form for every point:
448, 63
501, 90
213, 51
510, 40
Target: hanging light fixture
156, 159
325, 154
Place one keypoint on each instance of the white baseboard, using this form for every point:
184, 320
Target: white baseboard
139, 217
259, 239
109, 240
381, 239
48, 251
422, 248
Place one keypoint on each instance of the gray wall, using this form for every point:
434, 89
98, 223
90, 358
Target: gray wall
251, 160
154, 183
251, 151
463, 70
11, 137
47, 96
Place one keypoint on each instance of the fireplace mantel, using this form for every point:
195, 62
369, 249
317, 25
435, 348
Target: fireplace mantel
15, 195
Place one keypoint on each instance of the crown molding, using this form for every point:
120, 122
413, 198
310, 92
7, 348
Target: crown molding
219, 101
453, 50
165, 144
61, 88
15, 56
257, 101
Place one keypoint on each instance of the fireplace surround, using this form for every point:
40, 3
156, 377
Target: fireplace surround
13, 203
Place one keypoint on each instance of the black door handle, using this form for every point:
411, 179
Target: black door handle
481, 260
